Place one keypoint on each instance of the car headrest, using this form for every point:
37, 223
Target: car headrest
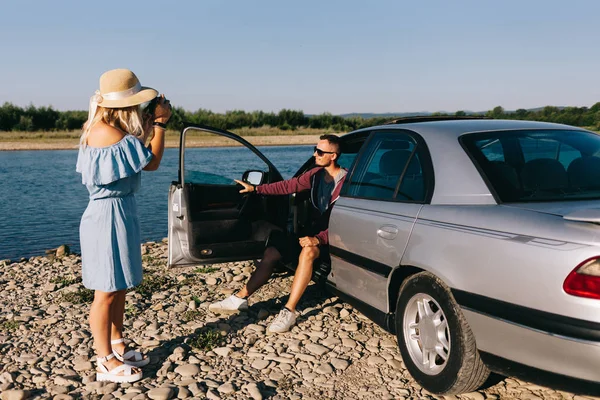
584, 171
544, 173
393, 162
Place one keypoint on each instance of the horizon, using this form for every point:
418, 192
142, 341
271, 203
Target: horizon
341, 57
344, 114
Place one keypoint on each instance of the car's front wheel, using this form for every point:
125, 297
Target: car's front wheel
436, 343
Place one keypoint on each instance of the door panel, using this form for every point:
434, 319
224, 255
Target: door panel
209, 220
371, 223
367, 240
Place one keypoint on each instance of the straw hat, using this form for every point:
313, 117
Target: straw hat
121, 88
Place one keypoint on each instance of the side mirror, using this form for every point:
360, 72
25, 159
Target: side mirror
253, 177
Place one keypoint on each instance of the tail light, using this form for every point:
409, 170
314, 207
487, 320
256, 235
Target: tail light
584, 281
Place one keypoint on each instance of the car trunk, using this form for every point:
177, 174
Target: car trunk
584, 210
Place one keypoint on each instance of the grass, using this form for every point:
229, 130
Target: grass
9, 325
285, 383
82, 295
152, 261
153, 283
131, 311
64, 281
190, 315
197, 300
207, 340
205, 270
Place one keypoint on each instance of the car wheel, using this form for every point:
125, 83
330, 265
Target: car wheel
436, 343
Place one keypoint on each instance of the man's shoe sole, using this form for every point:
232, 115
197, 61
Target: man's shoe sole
227, 311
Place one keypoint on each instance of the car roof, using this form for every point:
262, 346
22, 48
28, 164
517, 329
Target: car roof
457, 181
457, 127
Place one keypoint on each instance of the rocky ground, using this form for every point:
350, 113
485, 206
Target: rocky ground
333, 353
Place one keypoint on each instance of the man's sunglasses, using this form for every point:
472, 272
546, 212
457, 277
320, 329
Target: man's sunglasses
321, 152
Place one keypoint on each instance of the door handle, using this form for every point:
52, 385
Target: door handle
388, 232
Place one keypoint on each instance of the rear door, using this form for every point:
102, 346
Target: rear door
209, 220
371, 222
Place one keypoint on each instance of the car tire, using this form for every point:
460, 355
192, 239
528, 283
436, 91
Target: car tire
435, 340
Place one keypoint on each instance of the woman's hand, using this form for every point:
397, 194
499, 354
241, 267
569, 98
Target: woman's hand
163, 110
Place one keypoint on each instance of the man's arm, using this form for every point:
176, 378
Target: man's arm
323, 237
289, 186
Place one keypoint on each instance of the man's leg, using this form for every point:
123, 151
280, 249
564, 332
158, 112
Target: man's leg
302, 276
259, 277
287, 316
262, 273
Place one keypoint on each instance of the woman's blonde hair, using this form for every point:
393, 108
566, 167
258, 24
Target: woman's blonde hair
128, 119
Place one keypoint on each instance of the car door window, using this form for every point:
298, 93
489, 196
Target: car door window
389, 168
225, 165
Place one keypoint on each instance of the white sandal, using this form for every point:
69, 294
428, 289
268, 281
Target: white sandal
132, 357
104, 375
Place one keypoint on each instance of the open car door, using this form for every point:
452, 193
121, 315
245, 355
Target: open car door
209, 220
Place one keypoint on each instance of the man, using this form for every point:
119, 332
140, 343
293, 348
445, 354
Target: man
325, 182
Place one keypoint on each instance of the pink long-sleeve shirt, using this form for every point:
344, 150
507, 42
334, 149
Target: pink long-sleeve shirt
307, 181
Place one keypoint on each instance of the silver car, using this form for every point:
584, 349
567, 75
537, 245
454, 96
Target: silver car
475, 241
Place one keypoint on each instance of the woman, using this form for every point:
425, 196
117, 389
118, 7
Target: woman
111, 157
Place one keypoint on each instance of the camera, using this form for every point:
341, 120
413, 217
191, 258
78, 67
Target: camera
151, 106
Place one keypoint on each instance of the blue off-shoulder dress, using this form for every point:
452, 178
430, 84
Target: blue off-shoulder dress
109, 232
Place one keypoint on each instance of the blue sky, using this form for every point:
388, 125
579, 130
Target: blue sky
310, 55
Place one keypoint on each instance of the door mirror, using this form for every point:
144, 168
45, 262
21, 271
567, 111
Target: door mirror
253, 177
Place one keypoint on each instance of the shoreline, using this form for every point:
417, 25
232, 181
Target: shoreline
170, 142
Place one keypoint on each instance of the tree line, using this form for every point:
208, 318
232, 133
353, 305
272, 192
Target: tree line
31, 118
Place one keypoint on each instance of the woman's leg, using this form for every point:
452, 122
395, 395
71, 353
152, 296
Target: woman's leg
117, 313
100, 324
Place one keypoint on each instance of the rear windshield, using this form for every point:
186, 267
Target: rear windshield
529, 166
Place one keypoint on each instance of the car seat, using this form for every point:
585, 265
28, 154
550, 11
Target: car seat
391, 166
584, 172
544, 174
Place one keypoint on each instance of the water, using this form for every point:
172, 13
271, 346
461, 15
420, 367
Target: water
42, 198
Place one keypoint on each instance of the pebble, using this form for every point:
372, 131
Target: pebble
375, 360
334, 351
324, 369
226, 388
222, 351
353, 327
317, 349
14, 395
260, 364
339, 364
188, 370
254, 392
160, 393
83, 366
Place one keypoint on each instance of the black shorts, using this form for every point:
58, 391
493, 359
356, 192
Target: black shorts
287, 245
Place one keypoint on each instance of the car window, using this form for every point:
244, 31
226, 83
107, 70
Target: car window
389, 168
346, 160
218, 170
550, 165
492, 149
534, 148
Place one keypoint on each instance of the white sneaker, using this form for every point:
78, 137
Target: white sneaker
230, 304
283, 321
